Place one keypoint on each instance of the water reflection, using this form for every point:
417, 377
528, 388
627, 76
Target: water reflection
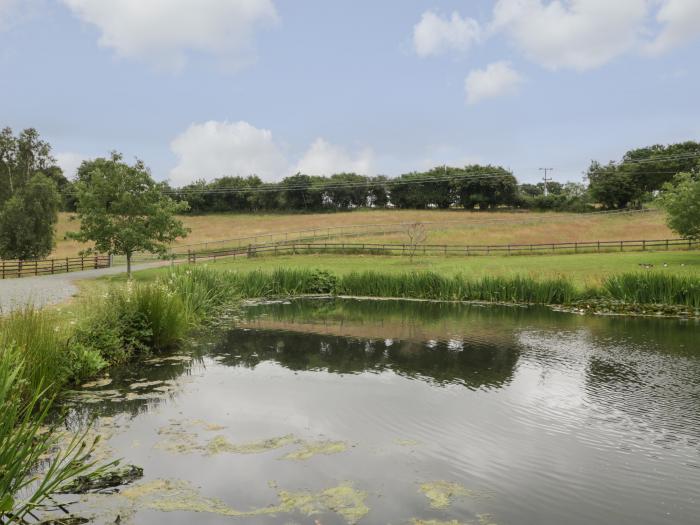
524, 414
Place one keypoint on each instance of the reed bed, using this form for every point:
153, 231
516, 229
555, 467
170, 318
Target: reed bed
654, 288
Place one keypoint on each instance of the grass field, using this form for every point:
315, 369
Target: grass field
582, 269
445, 227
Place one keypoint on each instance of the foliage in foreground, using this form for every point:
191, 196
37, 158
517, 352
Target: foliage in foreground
27, 478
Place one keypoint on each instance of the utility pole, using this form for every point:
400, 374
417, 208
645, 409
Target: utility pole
546, 170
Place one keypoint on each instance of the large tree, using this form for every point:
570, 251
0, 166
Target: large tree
681, 198
122, 210
21, 157
27, 220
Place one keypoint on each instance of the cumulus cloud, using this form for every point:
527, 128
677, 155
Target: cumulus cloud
69, 162
496, 80
163, 32
577, 34
681, 23
214, 149
323, 158
434, 34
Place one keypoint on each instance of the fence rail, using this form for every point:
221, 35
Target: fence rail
446, 249
15, 268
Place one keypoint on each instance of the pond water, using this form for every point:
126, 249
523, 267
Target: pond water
389, 412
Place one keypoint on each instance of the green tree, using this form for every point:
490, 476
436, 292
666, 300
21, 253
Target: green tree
21, 157
681, 199
486, 187
122, 210
28, 218
612, 186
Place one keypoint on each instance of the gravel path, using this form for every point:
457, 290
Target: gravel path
52, 289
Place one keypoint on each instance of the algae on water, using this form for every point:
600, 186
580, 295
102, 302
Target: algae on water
441, 493
177, 495
309, 449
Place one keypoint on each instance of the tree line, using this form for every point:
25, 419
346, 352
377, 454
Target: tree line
122, 209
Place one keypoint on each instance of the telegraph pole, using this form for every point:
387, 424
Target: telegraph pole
546, 170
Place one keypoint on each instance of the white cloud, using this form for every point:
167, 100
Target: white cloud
323, 158
214, 149
69, 162
163, 32
434, 35
578, 34
496, 80
681, 23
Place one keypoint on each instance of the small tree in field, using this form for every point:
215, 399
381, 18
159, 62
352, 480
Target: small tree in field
681, 198
417, 235
122, 210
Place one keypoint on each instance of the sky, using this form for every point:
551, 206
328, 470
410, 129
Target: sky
199, 89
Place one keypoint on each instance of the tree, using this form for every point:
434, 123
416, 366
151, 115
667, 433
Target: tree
486, 186
122, 210
611, 186
681, 199
20, 158
27, 220
417, 235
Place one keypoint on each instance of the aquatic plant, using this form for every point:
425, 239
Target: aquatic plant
131, 320
27, 478
42, 342
654, 288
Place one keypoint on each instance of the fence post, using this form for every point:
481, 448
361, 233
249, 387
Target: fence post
666, 244
82, 262
19, 269
3, 268
644, 245
576, 247
509, 249
51, 267
598, 246
621, 245
67, 265
689, 244
95, 261
36, 267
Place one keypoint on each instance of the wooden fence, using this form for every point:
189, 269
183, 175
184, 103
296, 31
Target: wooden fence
446, 249
14, 268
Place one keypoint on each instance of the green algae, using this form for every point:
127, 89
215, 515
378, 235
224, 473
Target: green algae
441, 493
407, 442
483, 519
98, 383
176, 495
145, 384
309, 449
220, 444
182, 438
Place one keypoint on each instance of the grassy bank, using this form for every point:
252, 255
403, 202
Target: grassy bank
582, 269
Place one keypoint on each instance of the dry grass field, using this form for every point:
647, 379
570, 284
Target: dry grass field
444, 227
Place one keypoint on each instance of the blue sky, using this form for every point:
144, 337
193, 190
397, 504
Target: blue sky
203, 88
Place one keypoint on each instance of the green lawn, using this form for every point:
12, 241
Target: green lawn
583, 269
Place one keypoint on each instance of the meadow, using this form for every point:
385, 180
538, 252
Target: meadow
444, 227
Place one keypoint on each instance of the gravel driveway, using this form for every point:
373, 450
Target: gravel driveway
52, 289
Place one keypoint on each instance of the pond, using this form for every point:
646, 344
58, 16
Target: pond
342, 411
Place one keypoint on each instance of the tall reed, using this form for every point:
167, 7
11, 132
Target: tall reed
654, 288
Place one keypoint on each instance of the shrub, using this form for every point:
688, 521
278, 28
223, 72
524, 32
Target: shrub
131, 320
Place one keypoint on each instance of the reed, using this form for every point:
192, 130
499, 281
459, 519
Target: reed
654, 288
